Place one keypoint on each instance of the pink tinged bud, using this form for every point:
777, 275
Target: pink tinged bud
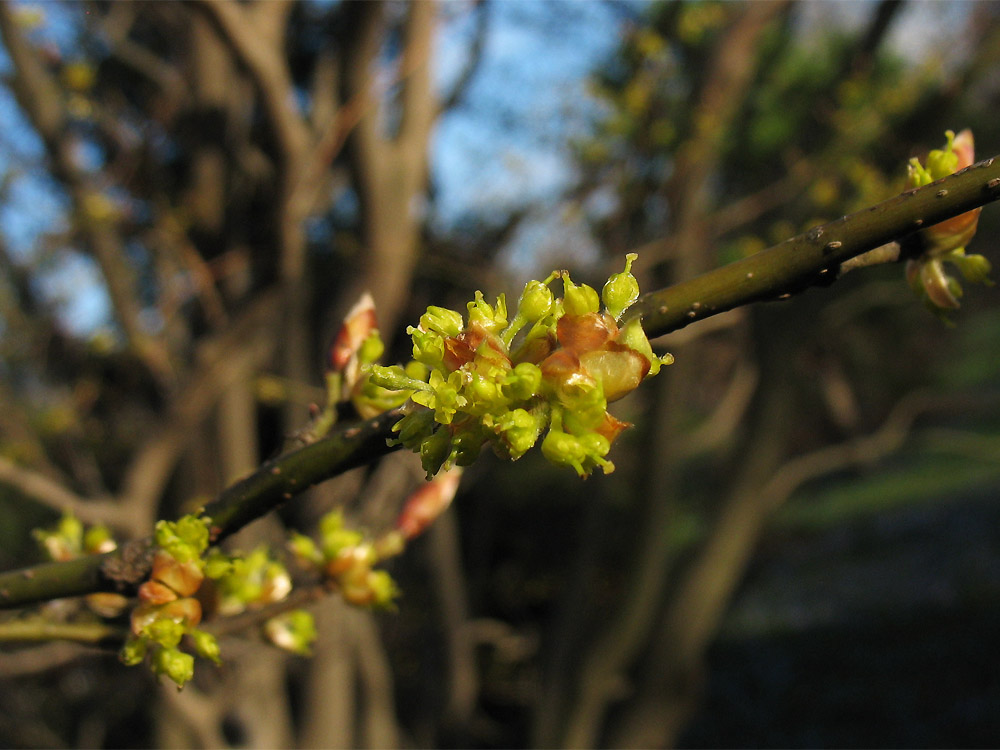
184, 578
358, 326
428, 502
964, 148
958, 231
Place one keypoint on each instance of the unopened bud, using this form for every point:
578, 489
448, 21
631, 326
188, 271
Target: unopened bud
579, 299
428, 502
206, 645
536, 301
175, 664
621, 290
441, 320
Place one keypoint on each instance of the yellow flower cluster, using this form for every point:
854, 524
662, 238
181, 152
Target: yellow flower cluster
552, 368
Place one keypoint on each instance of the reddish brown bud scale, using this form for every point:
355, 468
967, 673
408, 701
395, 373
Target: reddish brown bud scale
461, 349
611, 427
154, 592
184, 578
537, 349
584, 333
188, 609
560, 366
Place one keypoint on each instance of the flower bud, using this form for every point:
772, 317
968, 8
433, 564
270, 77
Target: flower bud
579, 299
383, 588
182, 577
166, 632
304, 549
184, 539
98, 540
394, 379
206, 646
371, 349
974, 268
562, 448
519, 430
621, 290
134, 651
428, 346
414, 427
536, 301
334, 537
523, 382
276, 584
428, 502
434, 451
957, 232
175, 664
65, 541
357, 328
489, 319
441, 320
466, 444
217, 564
293, 631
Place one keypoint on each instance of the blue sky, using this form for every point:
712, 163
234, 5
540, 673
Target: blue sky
503, 148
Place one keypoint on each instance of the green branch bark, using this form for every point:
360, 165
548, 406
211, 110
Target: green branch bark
274, 483
40, 629
810, 259
813, 258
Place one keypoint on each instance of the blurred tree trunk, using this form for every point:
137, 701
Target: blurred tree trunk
250, 165
603, 673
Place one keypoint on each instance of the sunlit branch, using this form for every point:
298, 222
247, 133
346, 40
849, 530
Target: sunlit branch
270, 486
814, 257
810, 259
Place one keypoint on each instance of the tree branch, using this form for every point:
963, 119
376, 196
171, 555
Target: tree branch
270, 74
54, 495
275, 482
41, 629
812, 258
787, 268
